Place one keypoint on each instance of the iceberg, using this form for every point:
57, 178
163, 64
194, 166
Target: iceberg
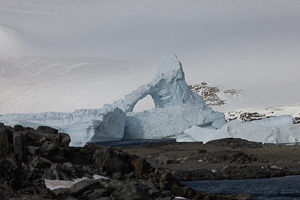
83, 125
178, 113
271, 130
168, 88
176, 106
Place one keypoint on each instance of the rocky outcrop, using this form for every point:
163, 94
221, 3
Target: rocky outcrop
28, 157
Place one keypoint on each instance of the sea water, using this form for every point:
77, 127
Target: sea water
280, 188
125, 143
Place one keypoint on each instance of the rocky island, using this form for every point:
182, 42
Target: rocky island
32, 158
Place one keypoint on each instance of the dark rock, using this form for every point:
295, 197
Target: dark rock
154, 193
129, 190
19, 128
117, 175
234, 143
57, 173
65, 140
7, 174
241, 196
40, 162
32, 150
46, 154
82, 186
166, 193
112, 161
202, 151
296, 120
48, 149
94, 194
163, 160
227, 156
140, 165
18, 146
247, 116
4, 143
47, 129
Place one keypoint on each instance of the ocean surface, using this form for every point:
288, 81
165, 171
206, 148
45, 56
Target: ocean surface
125, 143
280, 188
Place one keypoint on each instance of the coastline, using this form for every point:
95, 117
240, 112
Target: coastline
29, 157
221, 159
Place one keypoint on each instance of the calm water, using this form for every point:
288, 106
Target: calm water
124, 143
283, 188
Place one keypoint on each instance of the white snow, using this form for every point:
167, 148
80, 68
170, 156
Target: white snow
274, 122
292, 110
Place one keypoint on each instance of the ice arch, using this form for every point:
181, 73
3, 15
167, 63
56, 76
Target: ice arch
176, 106
168, 88
146, 103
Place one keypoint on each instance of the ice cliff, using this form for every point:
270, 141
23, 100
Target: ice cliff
82, 125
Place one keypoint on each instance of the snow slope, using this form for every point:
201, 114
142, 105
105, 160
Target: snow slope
66, 55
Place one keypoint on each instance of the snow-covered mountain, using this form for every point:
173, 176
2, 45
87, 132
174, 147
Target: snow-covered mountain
66, 55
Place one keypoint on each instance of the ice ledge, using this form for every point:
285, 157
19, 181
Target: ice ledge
272, 130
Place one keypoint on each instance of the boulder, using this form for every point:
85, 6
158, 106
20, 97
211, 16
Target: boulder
112, 161
140, 165
4, 143
18, 146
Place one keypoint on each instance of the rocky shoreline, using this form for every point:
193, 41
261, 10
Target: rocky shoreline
228, 158
148, 171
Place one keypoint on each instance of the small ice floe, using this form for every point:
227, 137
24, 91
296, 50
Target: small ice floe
55, 184
179, 198
275, 167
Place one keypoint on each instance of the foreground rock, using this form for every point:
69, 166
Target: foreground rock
28, 157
